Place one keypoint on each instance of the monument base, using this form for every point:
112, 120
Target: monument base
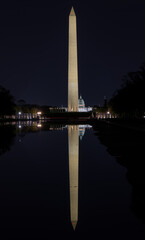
69, 116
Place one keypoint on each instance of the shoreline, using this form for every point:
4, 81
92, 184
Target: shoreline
132, 124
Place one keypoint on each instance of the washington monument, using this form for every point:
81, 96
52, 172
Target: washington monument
72, 65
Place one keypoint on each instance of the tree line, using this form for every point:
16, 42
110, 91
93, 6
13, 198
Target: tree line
7, 102
9, 107
129, 100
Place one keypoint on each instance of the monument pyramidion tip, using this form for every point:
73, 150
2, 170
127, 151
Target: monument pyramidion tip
72, 12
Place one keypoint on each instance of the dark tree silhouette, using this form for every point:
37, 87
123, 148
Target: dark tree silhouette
129, 100
7, 105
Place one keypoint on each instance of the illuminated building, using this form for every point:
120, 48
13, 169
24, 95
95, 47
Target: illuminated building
81, 103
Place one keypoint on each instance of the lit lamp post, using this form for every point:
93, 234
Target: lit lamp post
108, 115
39, 114
19, 113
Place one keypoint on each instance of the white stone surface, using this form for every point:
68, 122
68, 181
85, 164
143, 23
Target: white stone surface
72, 65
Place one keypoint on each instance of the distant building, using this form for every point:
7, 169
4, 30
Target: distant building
82, 107
81, 103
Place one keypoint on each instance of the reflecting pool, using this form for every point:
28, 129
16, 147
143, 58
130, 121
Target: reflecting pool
71, 181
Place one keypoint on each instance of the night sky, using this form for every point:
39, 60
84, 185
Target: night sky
34, 47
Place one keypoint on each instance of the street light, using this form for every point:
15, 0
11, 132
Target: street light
19, 113
39, 113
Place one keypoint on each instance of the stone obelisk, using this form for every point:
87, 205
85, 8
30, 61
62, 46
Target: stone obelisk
72, 65
73, 145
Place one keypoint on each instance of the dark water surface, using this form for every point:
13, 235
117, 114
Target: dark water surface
35, 187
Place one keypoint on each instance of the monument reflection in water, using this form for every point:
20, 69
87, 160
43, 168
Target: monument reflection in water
74, 132
73, 149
